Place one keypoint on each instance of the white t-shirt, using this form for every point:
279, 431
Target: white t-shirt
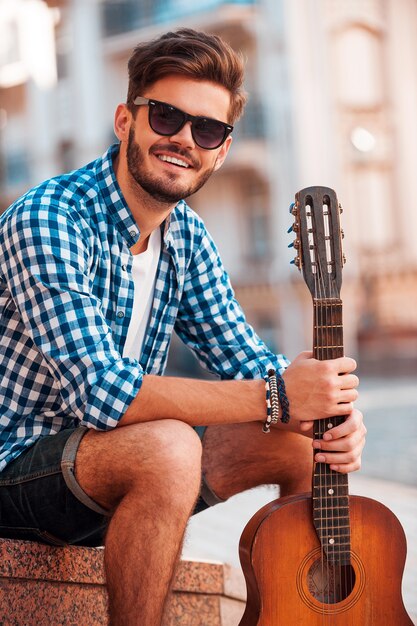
144, 269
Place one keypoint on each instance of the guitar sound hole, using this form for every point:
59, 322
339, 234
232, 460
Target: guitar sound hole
329, 583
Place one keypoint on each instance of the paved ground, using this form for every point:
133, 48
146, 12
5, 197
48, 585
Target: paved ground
389, 475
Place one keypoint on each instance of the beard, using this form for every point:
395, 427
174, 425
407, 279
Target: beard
166, 189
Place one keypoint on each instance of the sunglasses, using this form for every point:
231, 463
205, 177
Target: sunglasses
165, 119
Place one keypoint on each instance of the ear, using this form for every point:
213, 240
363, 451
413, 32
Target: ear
122, 122
223, 153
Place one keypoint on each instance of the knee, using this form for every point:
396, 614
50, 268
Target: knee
178, 448
172, 461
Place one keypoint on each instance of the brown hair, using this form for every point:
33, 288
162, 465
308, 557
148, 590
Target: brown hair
188, 53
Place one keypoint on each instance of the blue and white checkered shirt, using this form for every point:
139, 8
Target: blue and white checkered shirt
66, 297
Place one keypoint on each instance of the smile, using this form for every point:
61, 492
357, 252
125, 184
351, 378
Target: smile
173, 160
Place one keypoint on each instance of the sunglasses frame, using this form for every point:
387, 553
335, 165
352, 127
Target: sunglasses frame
140, 101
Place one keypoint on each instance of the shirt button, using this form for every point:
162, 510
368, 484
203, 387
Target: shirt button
132, 233
124, 268
120, 314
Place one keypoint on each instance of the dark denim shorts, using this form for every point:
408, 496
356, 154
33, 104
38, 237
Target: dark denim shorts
41, 500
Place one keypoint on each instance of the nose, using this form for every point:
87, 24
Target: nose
184, 136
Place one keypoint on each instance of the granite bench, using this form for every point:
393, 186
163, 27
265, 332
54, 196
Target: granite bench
61, 586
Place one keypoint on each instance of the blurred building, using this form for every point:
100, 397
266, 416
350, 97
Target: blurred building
333, 95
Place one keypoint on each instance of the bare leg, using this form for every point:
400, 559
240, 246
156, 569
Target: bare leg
149, 476
237, 457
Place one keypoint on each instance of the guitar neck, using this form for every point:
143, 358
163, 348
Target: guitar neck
330, 488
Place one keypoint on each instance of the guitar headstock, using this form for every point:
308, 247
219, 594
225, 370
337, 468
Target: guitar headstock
318, 240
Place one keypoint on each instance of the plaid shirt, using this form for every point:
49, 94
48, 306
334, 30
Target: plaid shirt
66, 297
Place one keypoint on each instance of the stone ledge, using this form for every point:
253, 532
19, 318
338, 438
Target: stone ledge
65, 586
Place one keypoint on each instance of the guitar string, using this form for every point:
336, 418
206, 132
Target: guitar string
317, 433
324, 487
320, 291
336, 342
343, 583
326, 346
331, 311
317, 427
331, 353
329, 511
347, 579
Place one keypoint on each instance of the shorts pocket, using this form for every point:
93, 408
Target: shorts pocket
31, 534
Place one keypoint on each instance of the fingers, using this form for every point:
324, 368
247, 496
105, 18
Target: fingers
348, 381
342, 447
344, 365
318, 389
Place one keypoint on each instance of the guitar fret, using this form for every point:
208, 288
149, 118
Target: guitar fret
331, 504
332, 501
336, 520
338, 527
335, 487
328, 326
331, 512
333, 518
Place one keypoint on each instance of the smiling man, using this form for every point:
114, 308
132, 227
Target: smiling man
98, 267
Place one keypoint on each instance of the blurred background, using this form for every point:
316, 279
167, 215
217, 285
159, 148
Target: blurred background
332, 101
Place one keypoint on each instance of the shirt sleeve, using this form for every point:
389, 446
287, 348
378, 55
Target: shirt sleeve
48, 266
212, 323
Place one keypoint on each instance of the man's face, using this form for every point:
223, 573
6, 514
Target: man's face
149, 155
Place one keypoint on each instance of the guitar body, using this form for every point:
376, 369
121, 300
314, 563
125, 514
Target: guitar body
281, 558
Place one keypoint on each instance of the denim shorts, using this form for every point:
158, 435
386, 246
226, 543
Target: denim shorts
41, 500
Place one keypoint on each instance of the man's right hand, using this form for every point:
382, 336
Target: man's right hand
320, 389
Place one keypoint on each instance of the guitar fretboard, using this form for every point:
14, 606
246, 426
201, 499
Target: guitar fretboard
330, 488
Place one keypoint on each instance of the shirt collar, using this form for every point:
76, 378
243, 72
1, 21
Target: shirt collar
113, 197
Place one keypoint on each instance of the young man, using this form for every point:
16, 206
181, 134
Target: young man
97, 269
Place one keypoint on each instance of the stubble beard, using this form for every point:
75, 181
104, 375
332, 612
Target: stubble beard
163, 190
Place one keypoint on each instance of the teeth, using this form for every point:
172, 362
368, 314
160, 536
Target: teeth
173, 160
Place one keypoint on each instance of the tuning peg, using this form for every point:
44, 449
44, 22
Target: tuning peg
290, 228
344, 259
340, 208
342, 233
291, 245
296, 262
293, 210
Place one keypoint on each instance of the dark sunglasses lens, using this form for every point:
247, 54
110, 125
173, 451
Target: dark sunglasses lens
167, 120
208, 133
164, 119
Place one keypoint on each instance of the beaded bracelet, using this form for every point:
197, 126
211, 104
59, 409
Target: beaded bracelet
272, 401
275, 396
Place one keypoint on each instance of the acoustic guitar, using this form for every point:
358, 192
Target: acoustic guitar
325, 558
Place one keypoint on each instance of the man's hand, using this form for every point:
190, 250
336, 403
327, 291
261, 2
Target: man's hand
320, 389
342, 446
